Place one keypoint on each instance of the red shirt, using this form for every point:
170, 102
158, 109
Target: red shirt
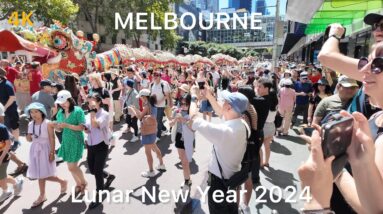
35, 78
11, 74
315, 79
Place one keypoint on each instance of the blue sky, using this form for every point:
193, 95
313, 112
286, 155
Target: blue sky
282, 9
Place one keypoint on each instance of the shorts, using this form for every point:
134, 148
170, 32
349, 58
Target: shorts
12, 120
3, 170
206, 106
179, 142
269, 129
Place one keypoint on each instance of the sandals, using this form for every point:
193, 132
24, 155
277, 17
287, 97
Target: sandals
80, 189
38, 202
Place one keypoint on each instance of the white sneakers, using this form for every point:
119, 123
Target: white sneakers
5, 196
134, 139
165, 133
244, 209
148, 174
161, 167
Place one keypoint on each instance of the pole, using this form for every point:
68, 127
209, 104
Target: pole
275, 37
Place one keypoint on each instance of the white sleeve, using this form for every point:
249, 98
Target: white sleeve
166, 87
211, 130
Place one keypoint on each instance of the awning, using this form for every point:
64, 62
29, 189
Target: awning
12, 42
345, 12
290, 41
302, 10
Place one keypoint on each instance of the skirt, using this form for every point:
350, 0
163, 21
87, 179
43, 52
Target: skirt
148, 139
206, 106
269, 129
39, 165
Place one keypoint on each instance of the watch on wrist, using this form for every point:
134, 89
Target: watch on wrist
336, 37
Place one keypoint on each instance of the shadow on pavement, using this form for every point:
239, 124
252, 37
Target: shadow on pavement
164, 145
279, 178
132, 148
152, 188
58, 206
294, 139
194, 169
4, 209
279, 205
277, 147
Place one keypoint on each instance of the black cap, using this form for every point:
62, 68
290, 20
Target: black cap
372, 18
44, 83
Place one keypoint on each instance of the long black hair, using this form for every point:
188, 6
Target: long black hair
273, 100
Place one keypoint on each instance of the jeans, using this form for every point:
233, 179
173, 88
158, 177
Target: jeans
160, 123
301, 109
96, 158
215, 184
132, 122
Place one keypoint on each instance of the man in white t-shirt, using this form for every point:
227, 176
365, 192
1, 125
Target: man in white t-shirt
162, 91
229, 143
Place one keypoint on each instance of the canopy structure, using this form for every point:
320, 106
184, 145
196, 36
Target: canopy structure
345, 12
12, 42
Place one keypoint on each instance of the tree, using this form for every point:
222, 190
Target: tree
44, 10
94, 9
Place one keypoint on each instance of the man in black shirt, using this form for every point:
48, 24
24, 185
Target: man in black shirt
116, 92
261, 104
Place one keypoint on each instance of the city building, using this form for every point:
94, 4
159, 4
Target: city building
246, 37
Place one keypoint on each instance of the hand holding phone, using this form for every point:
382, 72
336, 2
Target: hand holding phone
336, 138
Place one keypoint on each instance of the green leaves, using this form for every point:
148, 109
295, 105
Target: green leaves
45, 10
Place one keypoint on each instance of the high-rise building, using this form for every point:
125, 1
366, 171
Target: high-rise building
213, 5
240, 4
260, 6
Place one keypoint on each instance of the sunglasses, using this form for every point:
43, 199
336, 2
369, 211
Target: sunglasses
377, 25
376, 64
183, 104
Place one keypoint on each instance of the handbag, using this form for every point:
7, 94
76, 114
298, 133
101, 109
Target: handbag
149, 123
278, 120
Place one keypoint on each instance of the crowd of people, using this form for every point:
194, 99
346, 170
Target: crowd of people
254, 103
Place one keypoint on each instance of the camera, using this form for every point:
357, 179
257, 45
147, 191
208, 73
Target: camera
201, 85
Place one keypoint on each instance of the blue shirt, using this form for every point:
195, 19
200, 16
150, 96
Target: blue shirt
303, 87
7, 91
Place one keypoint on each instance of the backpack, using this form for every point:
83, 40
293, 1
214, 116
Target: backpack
162, 88
149, 123
247, 163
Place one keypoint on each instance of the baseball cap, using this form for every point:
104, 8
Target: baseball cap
304, 74
372, 18
347, 82
129, 82
44, 83
144, 92
236, 100
63, 96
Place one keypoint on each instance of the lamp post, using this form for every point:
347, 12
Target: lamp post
275, 37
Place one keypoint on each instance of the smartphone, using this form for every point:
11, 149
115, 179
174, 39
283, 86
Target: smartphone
336, 138
201, 85
308, 131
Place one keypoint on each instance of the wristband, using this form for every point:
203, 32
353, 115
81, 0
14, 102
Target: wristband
336, 37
